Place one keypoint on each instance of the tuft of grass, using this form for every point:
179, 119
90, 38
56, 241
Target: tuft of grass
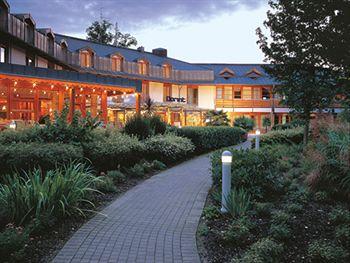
238, 202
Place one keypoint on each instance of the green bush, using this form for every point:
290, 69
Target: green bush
211, 212
110, 152
12, 243
58, 192
117, 176
325, 251
294, 208
280, 231
238, 231
245, 123
158, 165
280, 217
339, 215
211, 137
168, 148
136, 171
138, 126
105, 185
26, 156
238, 202
289, 125
263, 209
342, 234
158, 126
288, 136
264, 250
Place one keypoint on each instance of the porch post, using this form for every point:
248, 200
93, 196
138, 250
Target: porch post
36, 104
104, 106
60, 99
71, 103
9, 100
138, 103
83, 105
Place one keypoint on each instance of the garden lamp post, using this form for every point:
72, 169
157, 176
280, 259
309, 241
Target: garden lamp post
257, 139
226, 159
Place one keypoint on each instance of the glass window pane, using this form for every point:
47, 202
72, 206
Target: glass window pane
247, 93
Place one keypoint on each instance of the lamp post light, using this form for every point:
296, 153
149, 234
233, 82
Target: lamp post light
226, 159
257, 139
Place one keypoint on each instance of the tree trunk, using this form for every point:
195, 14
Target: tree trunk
306, 131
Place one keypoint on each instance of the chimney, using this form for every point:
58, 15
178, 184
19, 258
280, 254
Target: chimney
161, 52
141, 49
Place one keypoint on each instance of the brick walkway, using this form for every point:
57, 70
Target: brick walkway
156, 221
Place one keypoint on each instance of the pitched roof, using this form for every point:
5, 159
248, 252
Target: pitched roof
129, 54
244, 74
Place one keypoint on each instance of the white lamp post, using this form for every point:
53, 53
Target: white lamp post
226, 159
257, 139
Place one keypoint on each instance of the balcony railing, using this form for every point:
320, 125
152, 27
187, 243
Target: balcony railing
21, 30
241, 103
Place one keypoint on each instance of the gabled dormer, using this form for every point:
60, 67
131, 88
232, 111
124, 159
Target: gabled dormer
227, 73
29, 30
50, 37
143, 66
117, 61
253, 73
4, 11
86, 57
166, 69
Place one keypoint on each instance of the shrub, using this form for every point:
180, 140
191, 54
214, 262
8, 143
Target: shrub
264, 250
321, 196
12, 243
117, 176
238, 202
263, 209
138, 126
280, 231
158, 165
158, 126
288, 136
168, 148
110, 152
342, 233
105, 185
58, 192
147, 166
211, 137
294, 208
203, 230
289, 125
339, 216
280, 217
238, 231
137, 171
216, 118
26, 156
325, 251
245, 123
211, 212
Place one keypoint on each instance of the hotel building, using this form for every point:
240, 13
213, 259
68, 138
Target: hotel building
41, 71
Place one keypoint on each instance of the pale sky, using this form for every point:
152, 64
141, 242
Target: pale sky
207, 31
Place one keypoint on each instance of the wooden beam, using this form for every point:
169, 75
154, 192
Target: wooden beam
36, 105
104, 107
71, 103
138, 103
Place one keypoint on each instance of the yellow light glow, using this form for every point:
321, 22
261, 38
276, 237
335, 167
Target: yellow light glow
15, 83
14, 89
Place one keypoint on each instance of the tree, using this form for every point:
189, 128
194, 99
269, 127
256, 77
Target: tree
294, 49
149, 107
266, 122
245, 123
123, 40
217, 118
101, 32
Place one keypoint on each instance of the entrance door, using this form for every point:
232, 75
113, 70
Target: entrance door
176, 119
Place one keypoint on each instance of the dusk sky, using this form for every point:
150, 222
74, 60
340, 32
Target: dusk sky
191, 30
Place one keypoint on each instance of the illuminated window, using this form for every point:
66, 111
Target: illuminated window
117, 63
256, 93
228, 93
30, 60
247, 93
2, 54
143, 67
237, 93
85, 58
265, 94
219, 91
166, 71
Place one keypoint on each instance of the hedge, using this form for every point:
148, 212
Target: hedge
211, 137
288, 136
26, 156
110, 152
168, 148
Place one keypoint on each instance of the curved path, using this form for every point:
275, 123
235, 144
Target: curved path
156, 221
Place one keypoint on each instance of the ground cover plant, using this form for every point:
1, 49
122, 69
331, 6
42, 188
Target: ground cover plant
298, 205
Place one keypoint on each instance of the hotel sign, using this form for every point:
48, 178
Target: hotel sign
173, 99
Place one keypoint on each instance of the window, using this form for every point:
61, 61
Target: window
143, 67
265, 94
247, 93
2, 54
219, 93
30, 61
228, 93
256, 93
237, 93
85, 58
166, 71
117, 63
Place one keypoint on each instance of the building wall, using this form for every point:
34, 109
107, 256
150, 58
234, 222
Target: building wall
179, 91
18, 56
41, 62
206, 97
156, 91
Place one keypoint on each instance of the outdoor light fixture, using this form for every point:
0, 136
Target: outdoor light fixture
34, 84
93, 90
81, 89
13, 125
257, 139
66, 87
51, 86
257, 132
15, 83
226, 157
14, 89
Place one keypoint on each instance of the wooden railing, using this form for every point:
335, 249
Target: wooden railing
240, 103
21, 30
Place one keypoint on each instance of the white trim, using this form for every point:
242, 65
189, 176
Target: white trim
262, 109
282, 110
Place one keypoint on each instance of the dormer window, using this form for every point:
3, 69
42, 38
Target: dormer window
117, 63
254, 73
143, 67
265, 94
227, 73
86, 56
166, 71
